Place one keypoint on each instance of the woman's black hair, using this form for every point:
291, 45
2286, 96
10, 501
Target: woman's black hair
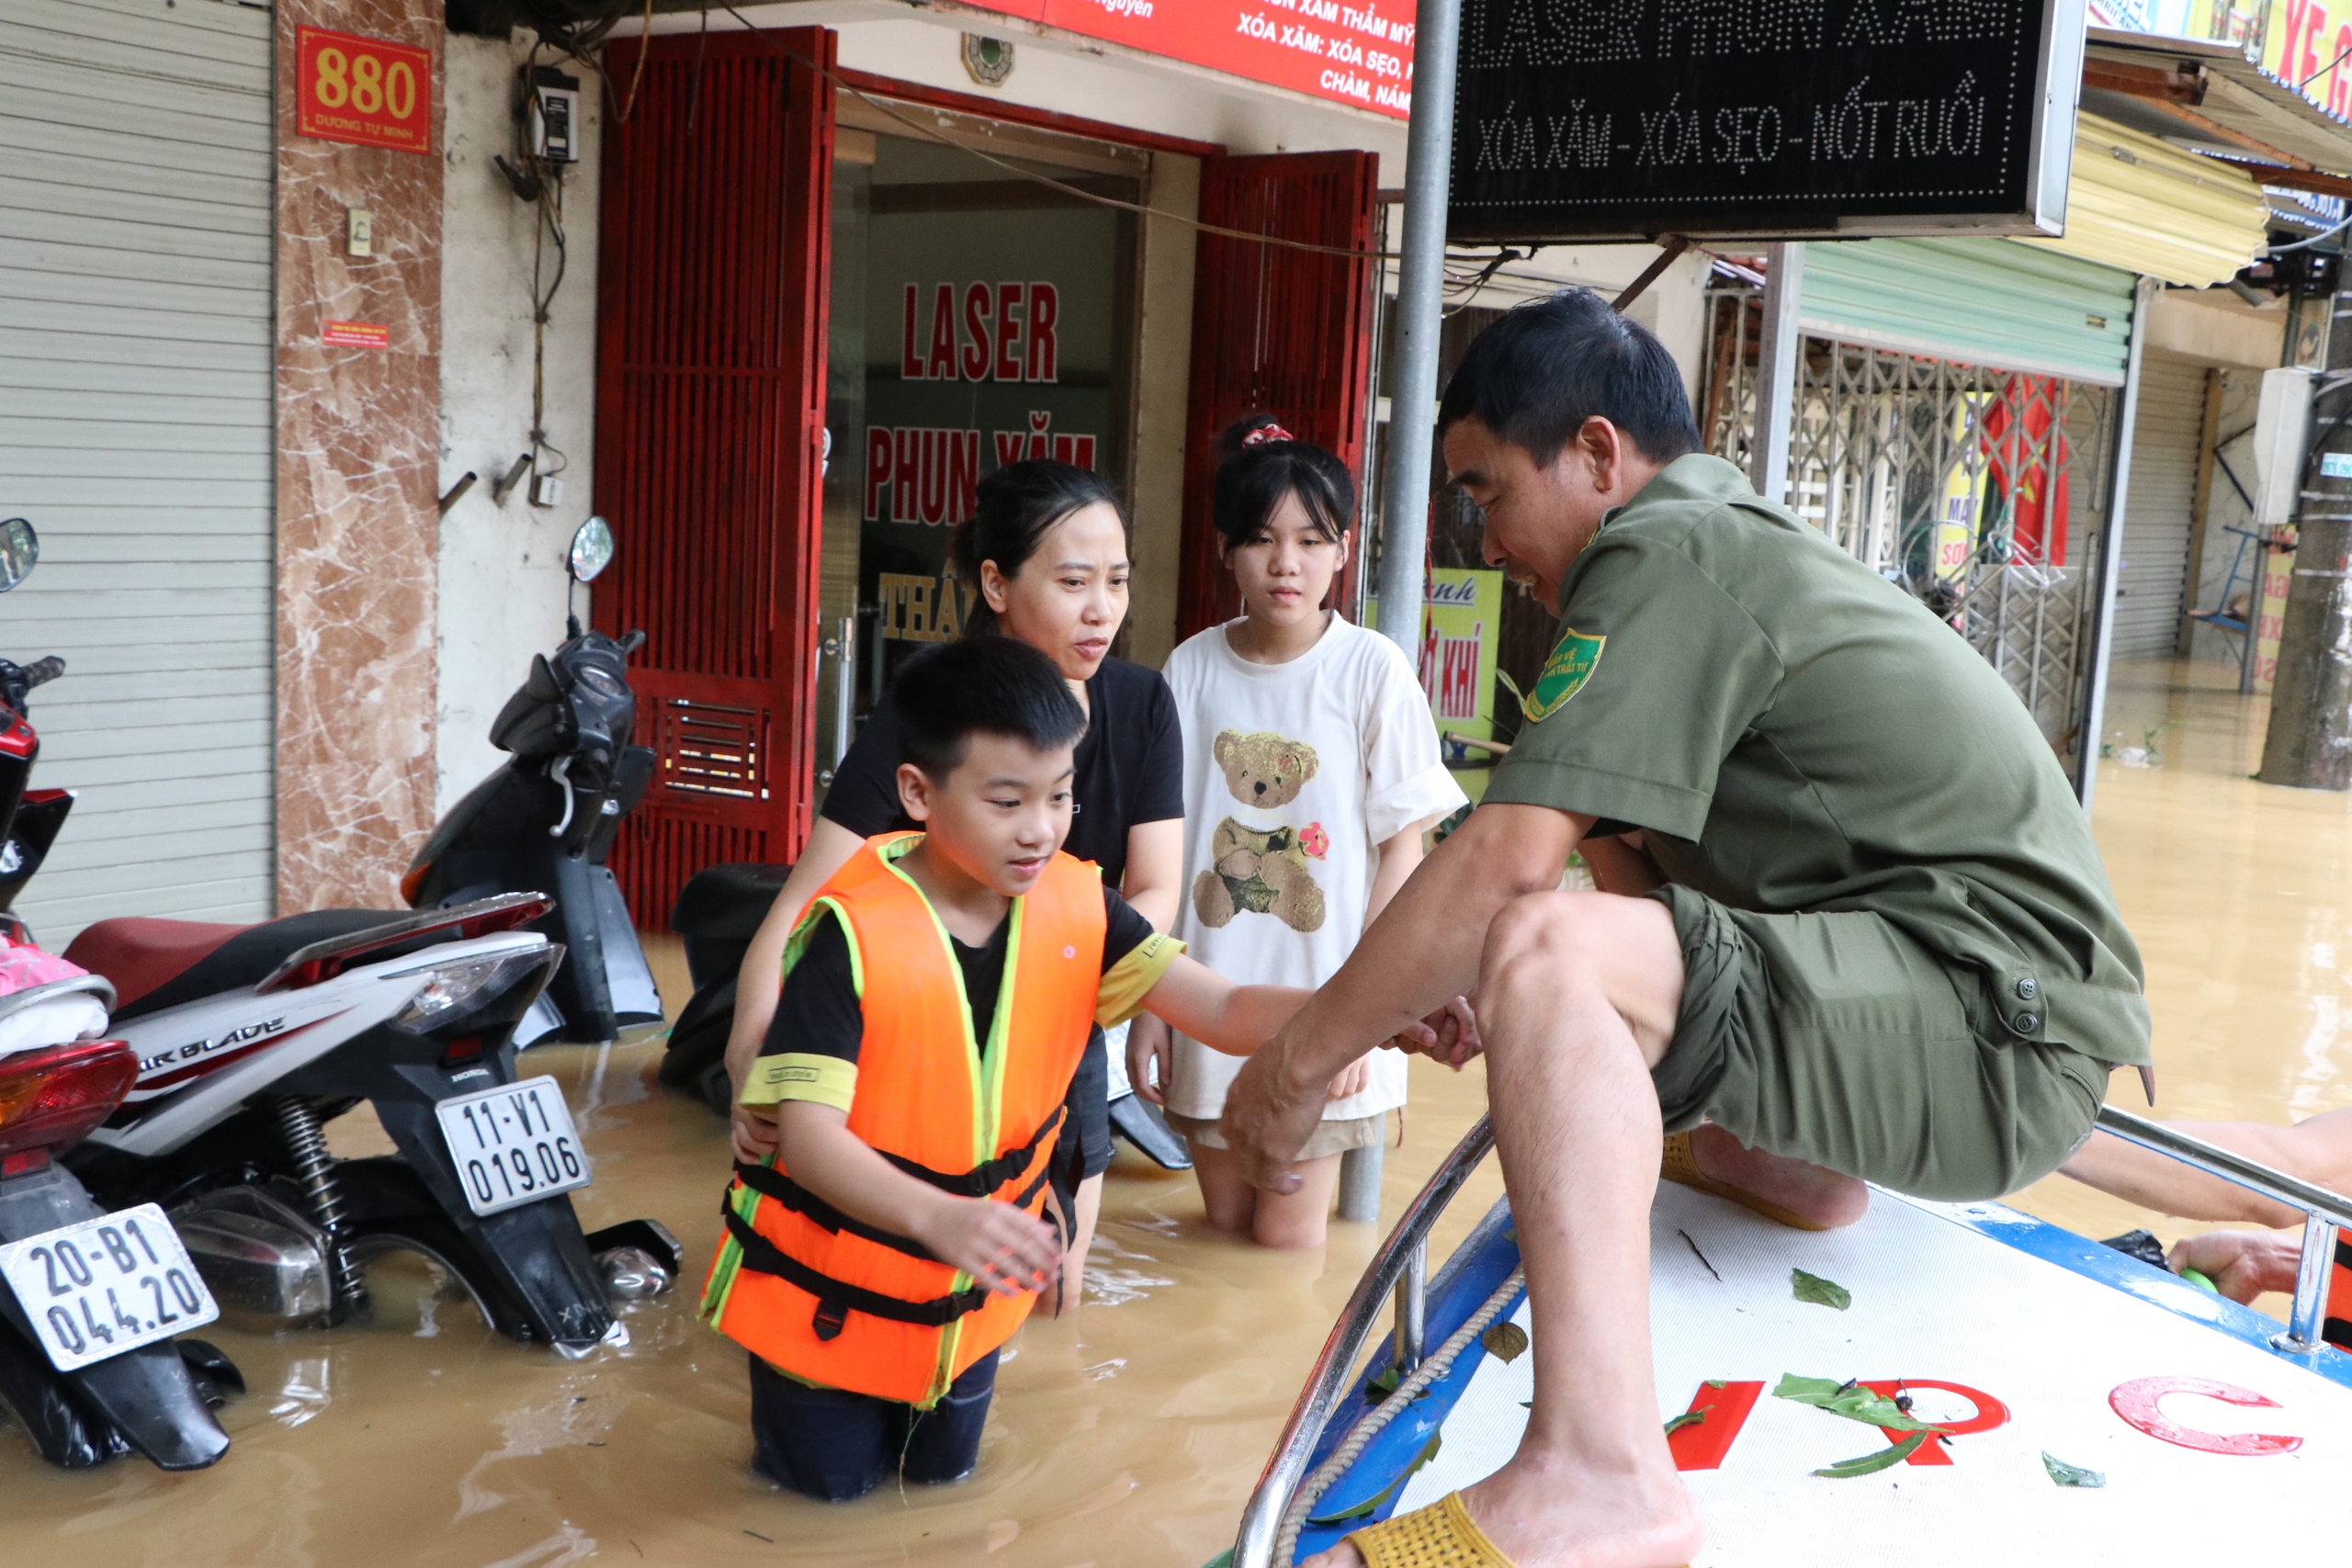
1016, 507
1253, 477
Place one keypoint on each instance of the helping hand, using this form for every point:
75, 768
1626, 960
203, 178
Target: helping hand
752, 1133
1004, 1248
1448, 1035
1151, 1052
2242, 1264
1267, 1120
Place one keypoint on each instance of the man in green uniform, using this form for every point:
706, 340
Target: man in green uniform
1852, 927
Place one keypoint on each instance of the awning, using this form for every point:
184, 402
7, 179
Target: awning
2208, 93
2142, 205
1975, 302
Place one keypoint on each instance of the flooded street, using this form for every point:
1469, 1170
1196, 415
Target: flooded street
1132, 1434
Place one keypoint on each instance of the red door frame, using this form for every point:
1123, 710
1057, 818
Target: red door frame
1277, 331
711, 302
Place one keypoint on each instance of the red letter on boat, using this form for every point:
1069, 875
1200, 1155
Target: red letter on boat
2138, 1403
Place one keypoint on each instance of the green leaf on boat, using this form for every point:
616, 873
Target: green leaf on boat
1717, 1382
1819, 1292
1894, 1454
1688, 1418
1850, 1400
1364, 1508
2066, 1475
1222, 1560
1506, 1342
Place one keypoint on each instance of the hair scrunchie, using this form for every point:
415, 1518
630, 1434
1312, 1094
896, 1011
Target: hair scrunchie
1264, 433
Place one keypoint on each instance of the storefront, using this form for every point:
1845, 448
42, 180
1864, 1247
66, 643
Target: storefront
833, 300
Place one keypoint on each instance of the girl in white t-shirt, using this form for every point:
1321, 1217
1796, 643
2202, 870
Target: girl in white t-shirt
1311, 771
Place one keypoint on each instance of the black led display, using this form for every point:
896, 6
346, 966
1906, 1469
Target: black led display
1578, 119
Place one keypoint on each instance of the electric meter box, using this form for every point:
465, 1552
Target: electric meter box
553, 115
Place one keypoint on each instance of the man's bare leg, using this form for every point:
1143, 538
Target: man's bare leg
1577, 1000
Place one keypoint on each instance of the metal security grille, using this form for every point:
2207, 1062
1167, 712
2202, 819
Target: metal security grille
1275, 330
138, 435
710, 415
1979, 490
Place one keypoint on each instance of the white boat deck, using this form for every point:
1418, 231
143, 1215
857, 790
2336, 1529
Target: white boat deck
2074, 1345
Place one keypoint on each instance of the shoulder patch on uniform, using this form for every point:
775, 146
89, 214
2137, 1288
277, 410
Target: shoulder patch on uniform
1564, 674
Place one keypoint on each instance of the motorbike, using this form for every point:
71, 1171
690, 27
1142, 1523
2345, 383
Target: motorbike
91, 1302
244, 1042
545, 822
718, 912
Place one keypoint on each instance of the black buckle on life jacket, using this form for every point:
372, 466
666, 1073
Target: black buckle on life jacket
839, 1296
770, 1182
984, 1178
831, 1316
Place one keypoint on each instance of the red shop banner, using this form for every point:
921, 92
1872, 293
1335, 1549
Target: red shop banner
1352, 53
368, 92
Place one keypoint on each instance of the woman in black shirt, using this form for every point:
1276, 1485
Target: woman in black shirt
1047, 552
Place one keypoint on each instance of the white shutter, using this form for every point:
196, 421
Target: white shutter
136, 326
2156, 507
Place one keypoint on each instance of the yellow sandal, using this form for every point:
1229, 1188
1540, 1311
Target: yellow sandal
1677, 1166
1443, 1535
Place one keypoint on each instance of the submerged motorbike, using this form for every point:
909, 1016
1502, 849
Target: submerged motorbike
244, 1042
718, 912
544, 822
90, 1301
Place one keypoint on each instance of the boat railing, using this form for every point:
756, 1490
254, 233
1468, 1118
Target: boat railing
1400, 1270
2323, 1212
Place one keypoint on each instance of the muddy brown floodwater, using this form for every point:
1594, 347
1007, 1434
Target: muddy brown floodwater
1132, 1434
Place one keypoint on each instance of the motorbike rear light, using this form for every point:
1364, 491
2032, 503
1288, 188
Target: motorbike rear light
52, 1098
465, 1048
24, 1162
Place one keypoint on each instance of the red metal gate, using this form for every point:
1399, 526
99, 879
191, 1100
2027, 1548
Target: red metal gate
710, 403
1275, 329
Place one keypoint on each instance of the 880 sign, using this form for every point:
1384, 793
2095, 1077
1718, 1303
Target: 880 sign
368, 92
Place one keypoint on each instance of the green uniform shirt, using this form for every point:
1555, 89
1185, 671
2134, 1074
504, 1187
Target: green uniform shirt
1794, 733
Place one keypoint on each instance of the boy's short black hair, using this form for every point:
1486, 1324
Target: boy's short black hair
991, 684
1537, 374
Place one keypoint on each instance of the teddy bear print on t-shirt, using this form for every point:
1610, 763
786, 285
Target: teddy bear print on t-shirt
1262, 869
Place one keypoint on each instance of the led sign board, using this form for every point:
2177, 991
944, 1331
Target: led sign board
1754, 118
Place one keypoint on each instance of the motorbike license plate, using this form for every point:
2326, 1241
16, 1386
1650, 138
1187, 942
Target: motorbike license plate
101, 1287
513, 1144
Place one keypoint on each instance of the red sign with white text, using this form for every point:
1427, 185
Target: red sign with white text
1351, 51
364, 91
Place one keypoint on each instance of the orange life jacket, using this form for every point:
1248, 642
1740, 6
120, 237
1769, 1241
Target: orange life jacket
835, 1302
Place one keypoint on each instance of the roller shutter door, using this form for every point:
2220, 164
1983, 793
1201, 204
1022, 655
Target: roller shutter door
2155, 524
136, 231
1988, 302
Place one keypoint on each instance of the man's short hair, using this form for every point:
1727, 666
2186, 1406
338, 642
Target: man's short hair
1537, 374
982, 684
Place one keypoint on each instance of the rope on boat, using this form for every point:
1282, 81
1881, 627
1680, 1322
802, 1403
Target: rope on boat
1435, 1367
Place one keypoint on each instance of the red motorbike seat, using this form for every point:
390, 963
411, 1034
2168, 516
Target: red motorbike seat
139, 953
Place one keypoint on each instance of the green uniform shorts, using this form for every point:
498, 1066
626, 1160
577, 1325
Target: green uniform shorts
1836, 1038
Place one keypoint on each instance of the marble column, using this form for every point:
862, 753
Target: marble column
358, 460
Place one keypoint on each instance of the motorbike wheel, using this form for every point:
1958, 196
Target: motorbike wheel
391, 1210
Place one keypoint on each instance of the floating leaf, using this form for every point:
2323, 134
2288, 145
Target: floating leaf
1364, 1510
1819, 1292
1846, 1470
2066, 1475
1850, 1400
1688, 1418
1506, 1342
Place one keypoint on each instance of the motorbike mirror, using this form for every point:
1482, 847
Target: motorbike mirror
592, 549
20, 548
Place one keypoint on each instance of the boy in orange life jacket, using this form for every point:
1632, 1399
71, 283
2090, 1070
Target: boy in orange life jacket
937, 1001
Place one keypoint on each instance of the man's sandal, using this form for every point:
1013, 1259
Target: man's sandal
1443, 1535
1677, 1165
